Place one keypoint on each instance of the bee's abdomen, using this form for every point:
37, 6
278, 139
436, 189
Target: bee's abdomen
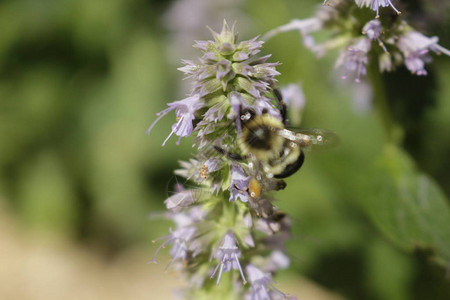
291, 168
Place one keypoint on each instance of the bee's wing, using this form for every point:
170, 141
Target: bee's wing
312, 139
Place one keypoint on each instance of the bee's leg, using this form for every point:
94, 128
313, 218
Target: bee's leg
281, 185
274, 185
232, 156
281, 106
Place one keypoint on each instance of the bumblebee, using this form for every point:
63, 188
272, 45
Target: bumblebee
262, 140
268, 144
280, 151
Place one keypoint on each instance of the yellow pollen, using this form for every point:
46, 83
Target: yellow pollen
203, 172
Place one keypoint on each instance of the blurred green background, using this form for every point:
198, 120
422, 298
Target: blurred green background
81, 81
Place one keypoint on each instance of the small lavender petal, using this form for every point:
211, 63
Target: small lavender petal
252, 47
223, 68
179, 238
213, 164
260, 60
294, 98
248, 240
236, 102
210, 56
264, 104
248, 222
354, 59
265, 71
305, 28
415, 48
244, 69
239, 184
160, 115
376, 4
373, 31
190, 67
276, 261
240, 56
249, 86
228, 255
203, 45
261, 285
184, 110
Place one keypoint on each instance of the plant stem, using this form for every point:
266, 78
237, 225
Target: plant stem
393, 133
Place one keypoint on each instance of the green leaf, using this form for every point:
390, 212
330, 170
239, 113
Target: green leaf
409, 206
393, 282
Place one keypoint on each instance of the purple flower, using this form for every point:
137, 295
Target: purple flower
261, 285
264, 105
228, 255
293, 96
415, 48
295, 99
224, 73
191, 69
223, 68
226, 80
354, 59
183, 235
247, 49
376, 4
239, 184
184, 110
265, 71
236, 103
277, 260
305, 28
373, 31
179, 239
